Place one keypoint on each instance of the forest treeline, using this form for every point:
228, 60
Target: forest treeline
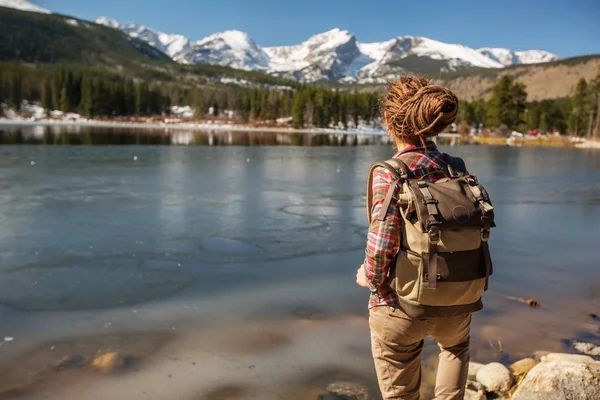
96, 93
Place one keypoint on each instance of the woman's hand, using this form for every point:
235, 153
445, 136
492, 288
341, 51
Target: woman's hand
361, 278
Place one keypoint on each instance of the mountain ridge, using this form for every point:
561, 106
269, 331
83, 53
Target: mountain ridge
335, 54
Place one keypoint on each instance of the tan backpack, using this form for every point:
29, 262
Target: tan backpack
443, 265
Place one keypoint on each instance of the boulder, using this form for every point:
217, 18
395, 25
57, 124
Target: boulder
495, 377
574, 358
561, 377
474, 367
522, 366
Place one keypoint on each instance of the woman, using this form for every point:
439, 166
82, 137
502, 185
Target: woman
414, 110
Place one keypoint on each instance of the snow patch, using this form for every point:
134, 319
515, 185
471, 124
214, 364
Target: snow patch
24, 6
182, 111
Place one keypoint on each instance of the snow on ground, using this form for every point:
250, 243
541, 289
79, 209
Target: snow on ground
182, 111
32, 110
23, 5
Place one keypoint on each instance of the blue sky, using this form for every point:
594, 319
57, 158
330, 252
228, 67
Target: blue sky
565, 27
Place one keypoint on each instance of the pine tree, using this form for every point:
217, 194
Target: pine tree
266, 110
579, 108
86, 107
46, 95
595, 86
507, 104
16, 91
298, 106
64, 100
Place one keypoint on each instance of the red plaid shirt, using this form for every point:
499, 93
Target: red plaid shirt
383, 239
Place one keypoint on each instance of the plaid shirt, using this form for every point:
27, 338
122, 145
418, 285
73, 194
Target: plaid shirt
383, 239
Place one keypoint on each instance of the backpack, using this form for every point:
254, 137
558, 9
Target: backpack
444, 264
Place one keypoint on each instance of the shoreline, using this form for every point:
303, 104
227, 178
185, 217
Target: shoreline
564, 141
184, 126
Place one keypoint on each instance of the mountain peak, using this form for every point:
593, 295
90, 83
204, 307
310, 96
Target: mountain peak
24, 6
108, 22
334, 54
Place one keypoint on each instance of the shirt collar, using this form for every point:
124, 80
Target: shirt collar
430, 147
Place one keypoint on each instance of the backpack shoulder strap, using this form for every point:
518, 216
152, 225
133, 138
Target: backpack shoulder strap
455, 166
400, 171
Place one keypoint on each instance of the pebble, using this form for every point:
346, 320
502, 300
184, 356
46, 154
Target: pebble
68, 362
107, 362
495, 377
347, 390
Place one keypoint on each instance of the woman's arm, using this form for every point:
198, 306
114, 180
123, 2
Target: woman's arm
383, 239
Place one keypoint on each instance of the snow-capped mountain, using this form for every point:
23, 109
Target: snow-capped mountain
23, 5
335, 54
231, 48
175, 46
508, 57
330, 55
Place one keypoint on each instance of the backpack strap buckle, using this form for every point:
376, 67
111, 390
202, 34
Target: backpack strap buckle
472, 180
434, 234
485, 235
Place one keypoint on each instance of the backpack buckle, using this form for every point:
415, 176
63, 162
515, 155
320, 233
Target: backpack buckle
439, 276
485, 235
434, 235
422, 184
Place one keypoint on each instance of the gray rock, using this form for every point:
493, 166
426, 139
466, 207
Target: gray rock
68, 362
495, 377
587, 348
347, 391
475, 386
474, 395
557, 378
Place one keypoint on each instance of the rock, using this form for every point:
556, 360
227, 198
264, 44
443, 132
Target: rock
347, 391
475, 386
473, 369
574, 358
587, 348
522, 366
107, 362
474, 395
69, 362
538, 396
495, 377
561, 378
538, 355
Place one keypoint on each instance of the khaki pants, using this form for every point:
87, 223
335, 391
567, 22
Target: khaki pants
397, 342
